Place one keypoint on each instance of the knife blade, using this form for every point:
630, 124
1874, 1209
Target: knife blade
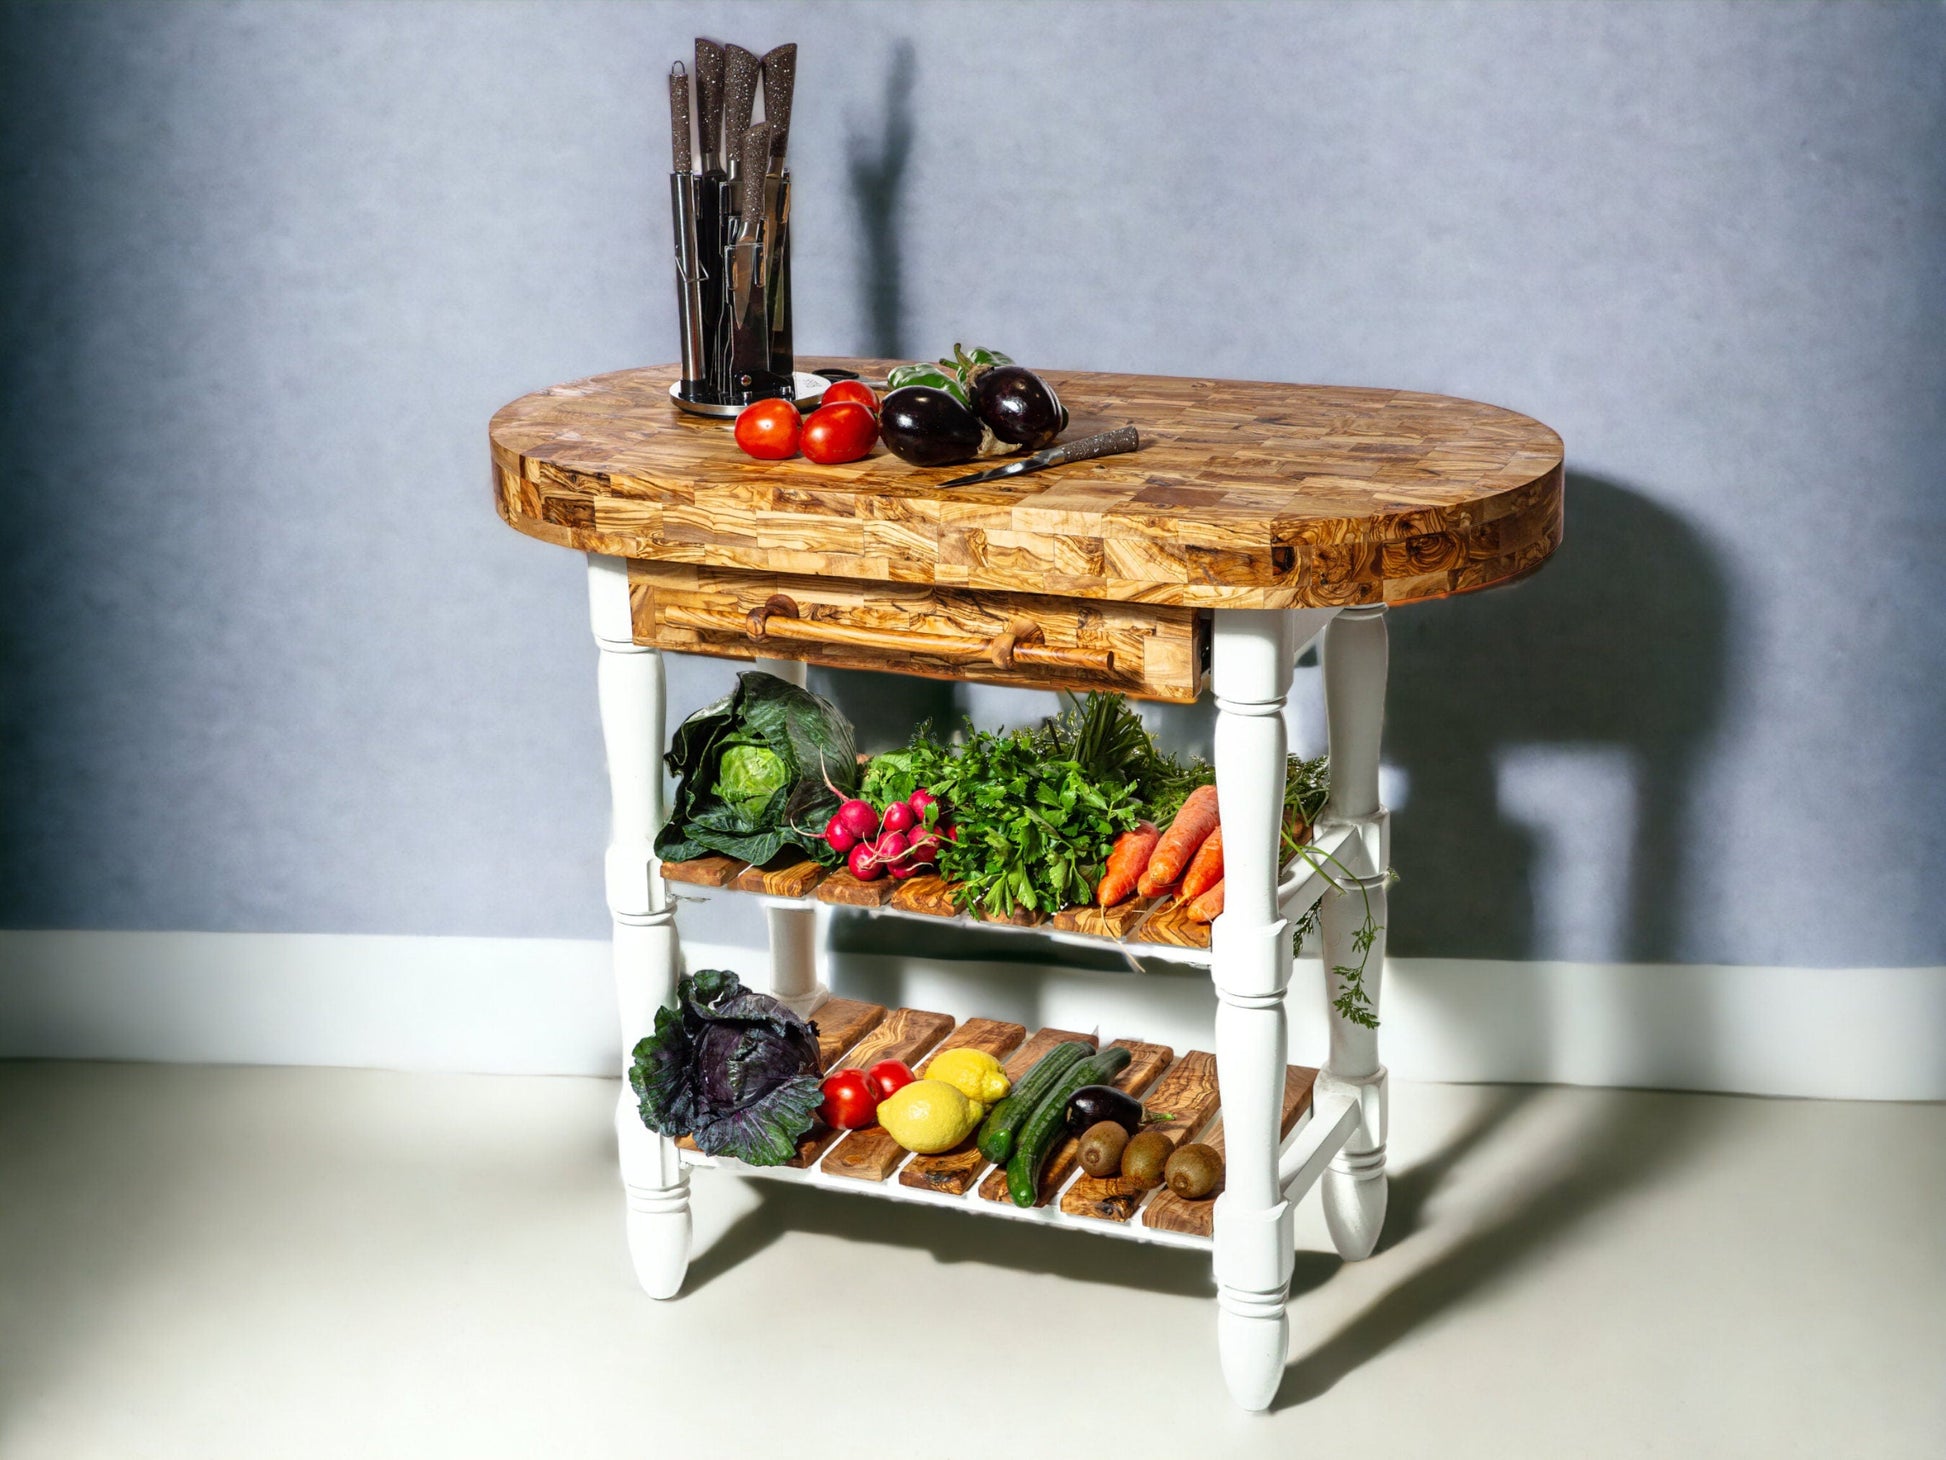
680, 156
750, 342
709, 104
1106, 443
780, 77
739, 98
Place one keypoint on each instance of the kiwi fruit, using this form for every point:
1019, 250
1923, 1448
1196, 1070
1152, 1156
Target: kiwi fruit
1193, 1171
1144, 1157
1101, 1148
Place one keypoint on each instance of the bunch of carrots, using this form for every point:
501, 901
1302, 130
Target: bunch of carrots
1185, 862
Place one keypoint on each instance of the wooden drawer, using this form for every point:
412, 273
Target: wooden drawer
1155, 652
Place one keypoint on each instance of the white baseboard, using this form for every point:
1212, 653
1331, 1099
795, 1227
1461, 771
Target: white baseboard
531, 1006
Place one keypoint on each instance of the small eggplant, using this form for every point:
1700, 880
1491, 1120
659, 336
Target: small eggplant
1018, 406
1092, 1104
928, 427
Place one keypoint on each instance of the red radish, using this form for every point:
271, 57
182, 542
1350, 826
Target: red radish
859, 819
949, 831
898, 817
838, 836
865, 866
922, 850
904, 870
891, 846
919, 800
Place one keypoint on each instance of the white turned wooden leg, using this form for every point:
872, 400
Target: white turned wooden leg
793, 927
647, 958
1354, 1188
1250, 964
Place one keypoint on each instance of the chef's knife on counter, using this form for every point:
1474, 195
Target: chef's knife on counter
1107, 443
780, 76
709, 104
739, 101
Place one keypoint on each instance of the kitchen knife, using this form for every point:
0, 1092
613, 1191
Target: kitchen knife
750, 338
681, 159
780, 75
709, 103
1108, 443
739, 99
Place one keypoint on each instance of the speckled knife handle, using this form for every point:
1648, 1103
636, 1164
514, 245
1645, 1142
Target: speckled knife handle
679, 157
752, 160
739, 97
709, 102
780, 76
1123, 438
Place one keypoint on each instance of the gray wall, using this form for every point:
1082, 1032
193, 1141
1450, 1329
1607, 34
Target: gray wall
272, 663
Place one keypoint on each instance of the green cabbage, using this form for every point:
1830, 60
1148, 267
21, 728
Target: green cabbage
750, 776
756, 771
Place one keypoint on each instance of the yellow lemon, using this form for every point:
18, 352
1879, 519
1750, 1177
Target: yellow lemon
929, 1116
973, 1072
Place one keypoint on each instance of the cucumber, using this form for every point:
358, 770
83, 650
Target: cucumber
1049, 1122
1004, 1121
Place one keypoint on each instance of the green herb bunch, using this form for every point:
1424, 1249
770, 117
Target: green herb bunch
1032, 828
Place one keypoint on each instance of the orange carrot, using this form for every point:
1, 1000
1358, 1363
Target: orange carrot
1205, 908
1125, 864
1205, 868
1193, 823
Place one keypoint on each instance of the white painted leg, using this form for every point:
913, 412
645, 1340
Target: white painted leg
793, 927
646, 955
1354, 1188
1250, 965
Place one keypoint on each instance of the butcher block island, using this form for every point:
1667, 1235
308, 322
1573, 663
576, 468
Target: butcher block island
1254, 520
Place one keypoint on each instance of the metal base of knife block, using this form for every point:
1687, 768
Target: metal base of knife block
805, 389
733, 295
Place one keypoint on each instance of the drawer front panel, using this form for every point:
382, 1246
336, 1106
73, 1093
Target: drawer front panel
1157, 652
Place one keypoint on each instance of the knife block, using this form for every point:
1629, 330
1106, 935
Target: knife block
733, 292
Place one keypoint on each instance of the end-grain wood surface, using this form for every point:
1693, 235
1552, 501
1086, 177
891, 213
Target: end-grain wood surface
1245, 494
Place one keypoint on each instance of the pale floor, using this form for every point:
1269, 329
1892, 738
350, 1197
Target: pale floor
269, 1263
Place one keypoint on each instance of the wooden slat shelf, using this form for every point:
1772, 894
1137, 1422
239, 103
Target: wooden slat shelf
1157, 925
853, 1033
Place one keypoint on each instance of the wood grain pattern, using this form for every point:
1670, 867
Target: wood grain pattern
710, 871
790, 875
1149, 1061
903, 1034
1170, 1213
1188, 1093
1154, 652
957, 1170
1244, 495
847, 891
871, 1154
926, 894
841, 1023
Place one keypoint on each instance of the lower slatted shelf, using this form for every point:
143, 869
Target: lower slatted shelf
853, 1033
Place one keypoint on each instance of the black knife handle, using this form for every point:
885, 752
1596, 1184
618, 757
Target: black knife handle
1123, 438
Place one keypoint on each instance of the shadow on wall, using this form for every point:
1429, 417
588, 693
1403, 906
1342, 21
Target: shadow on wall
1617, 644
885, 707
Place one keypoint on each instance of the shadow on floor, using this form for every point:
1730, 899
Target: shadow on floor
1621, 1147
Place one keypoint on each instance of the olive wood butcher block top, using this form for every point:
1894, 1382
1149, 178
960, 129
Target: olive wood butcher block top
1243, 495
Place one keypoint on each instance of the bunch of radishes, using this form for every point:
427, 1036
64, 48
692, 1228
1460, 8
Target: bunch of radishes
901, 839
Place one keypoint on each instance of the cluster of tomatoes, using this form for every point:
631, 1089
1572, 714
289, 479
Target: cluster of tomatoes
843, 428
851, 1097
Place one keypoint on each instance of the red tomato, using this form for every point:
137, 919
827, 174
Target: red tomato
849, 1100
839, 433
855, 391
769, 430
889, 1076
